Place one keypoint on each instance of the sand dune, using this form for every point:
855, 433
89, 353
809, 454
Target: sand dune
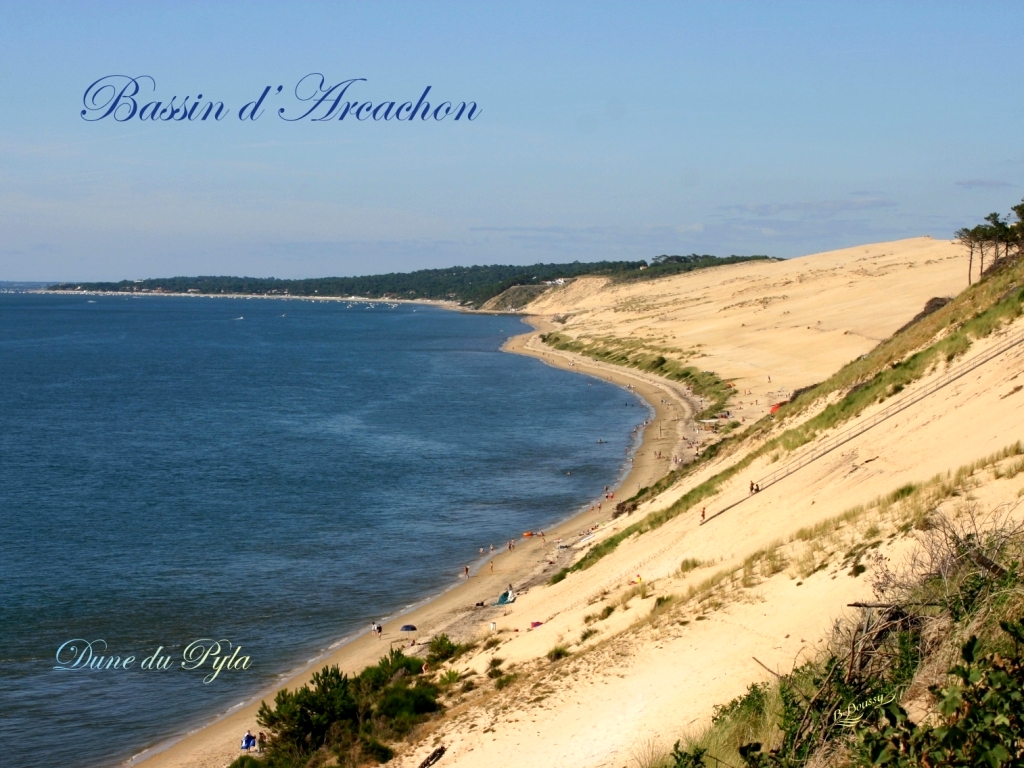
797, 321
652, 676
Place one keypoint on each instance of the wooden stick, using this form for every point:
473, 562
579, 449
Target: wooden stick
763, 665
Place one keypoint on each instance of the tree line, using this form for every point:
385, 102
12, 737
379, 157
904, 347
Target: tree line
469, 286
988, 238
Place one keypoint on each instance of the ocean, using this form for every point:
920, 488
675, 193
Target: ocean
272, 473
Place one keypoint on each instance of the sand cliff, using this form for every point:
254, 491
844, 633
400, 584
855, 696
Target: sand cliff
753, 594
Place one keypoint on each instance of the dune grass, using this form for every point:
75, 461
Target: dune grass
900, 360
633, 353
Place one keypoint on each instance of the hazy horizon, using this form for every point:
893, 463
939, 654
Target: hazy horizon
604, 132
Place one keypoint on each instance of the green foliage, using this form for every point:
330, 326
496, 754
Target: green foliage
348, 716
662, 266
449, 677
466, 285
897, 361
558, 652
560, 576
373, 749
692, 758
982, 718
504, 681
494, 668
902, 493
441, 648
404, 705
247, 761
586, 634
634, 354
753, 701
301, 719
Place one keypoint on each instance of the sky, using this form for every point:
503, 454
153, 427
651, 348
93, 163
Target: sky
602, 131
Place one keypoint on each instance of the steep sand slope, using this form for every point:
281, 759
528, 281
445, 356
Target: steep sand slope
638, 679
661, 681
747, 322
797, 321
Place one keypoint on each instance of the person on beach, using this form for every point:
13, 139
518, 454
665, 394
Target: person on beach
702, 511
261, 742
751, 486
248, 741
465, 571
492, 548
492, 566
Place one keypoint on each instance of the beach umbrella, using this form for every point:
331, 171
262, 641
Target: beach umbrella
408, 628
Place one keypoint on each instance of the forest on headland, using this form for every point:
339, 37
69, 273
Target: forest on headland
468, 286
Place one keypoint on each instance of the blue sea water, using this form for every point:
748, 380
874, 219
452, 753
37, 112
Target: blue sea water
274, 473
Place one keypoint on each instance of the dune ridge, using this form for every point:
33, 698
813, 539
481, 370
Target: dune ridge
713, 606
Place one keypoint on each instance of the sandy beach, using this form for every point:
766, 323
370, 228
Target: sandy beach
646, 675
455, 611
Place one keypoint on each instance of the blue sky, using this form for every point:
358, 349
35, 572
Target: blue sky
606, 131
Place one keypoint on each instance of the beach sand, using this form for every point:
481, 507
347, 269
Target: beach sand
640, 681
454, 611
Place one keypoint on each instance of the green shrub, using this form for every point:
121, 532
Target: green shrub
587, 634
440, 648
982, 718
401, 702
504, 681
347, 716
494, 668
449, 677
376, 751
558, 652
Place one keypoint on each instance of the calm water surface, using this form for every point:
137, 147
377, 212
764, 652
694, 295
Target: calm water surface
275, 473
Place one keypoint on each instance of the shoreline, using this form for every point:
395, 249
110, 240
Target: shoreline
451, 305
454, 611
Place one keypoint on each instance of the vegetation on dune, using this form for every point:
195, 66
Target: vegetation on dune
844, 708
633, 353
469, 286
937, 339
996, 233
663, 266
346, 720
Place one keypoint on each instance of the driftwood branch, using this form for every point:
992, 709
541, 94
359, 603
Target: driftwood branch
766, 667
989, 565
